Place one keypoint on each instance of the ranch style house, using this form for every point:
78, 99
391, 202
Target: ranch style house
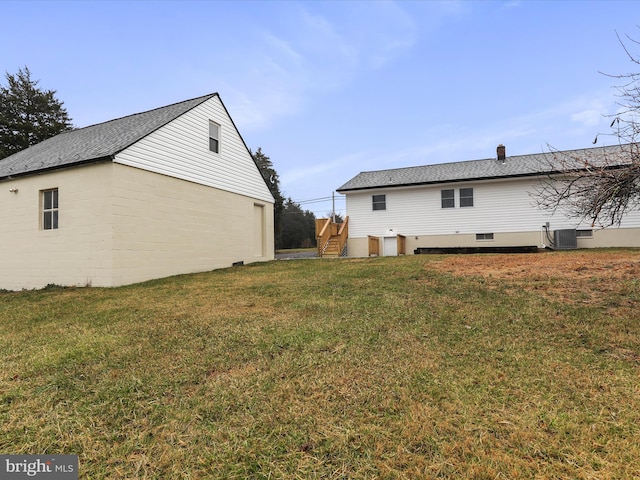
470, 206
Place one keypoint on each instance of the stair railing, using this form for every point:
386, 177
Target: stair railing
326, 229
323, 234
343, 234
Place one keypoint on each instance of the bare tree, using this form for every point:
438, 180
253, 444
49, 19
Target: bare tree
602, 184
599, 185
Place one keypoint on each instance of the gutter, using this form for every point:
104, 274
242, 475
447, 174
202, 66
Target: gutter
40, 171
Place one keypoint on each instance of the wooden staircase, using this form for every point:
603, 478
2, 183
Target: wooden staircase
332, 248
332, 237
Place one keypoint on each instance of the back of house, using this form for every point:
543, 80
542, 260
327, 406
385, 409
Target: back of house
479, 205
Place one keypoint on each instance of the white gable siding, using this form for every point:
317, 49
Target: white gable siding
499, 206
181, 149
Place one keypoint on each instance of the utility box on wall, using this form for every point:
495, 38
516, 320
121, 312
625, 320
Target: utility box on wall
565, 239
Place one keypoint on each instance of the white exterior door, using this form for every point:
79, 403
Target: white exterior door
390, 247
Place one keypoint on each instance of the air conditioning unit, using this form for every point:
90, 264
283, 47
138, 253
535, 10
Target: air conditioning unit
565, 239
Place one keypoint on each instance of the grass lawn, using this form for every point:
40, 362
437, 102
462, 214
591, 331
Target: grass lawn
297, 250
404, 367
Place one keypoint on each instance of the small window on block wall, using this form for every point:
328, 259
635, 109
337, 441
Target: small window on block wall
484, 236
214, 137
49, 202
584, 233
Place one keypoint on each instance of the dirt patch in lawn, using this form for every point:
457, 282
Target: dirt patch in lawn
573, 277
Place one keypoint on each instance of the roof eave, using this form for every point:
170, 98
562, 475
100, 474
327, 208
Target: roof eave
443, 182
40, 171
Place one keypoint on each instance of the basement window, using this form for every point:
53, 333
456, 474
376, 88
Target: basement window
379, 202
484, 237
466, 197
214, 137
49, 209
584, 233
447, 198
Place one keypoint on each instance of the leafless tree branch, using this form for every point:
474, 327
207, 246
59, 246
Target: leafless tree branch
599, 185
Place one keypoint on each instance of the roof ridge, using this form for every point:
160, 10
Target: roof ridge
467, 170
203, 97
586, 149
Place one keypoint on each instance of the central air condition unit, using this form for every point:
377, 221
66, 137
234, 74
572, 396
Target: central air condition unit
565, 239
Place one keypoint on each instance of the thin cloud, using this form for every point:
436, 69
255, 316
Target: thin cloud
588, 118
309, 55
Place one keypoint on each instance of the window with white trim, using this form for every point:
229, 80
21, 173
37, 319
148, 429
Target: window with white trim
379, 202
466, 197
447, 198
49, 204
214, 137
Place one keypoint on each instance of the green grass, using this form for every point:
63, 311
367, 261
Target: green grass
297, 250
357, 368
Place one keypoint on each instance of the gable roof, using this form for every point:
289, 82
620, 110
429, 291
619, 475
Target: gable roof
486, 169
94, 143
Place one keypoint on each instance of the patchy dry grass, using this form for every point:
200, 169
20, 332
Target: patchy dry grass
514, 366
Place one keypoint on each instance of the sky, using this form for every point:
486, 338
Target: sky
328, 89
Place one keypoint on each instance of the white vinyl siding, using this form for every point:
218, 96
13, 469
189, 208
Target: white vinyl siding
499, 206
180, 149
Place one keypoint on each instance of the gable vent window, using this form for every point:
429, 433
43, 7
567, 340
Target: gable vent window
214, 137
466, 197
379, 202
448, 198
49, 209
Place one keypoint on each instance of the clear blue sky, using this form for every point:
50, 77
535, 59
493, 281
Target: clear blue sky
329, 89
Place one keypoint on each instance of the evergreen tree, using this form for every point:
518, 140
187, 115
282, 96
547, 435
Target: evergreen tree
298, 227
28, 115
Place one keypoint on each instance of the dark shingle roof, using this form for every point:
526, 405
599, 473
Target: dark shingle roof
96, 142
514, 166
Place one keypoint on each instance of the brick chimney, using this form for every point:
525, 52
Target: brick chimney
502, 153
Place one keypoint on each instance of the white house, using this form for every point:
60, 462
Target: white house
168, 191
478, 205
